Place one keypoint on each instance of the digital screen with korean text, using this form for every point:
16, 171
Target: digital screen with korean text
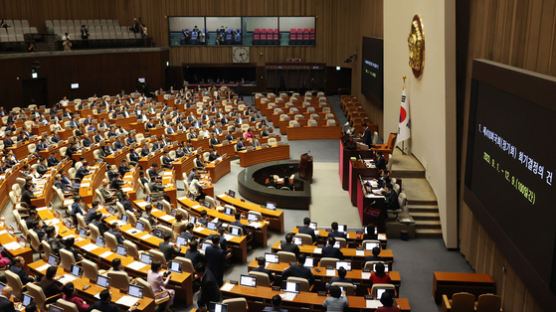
511, 159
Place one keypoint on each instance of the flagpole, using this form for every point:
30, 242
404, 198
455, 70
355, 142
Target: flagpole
403, 88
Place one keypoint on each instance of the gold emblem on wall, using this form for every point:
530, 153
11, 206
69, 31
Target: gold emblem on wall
416, 43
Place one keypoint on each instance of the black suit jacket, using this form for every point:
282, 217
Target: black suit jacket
367, 137
331, 252
6, 305
298, 271
104, 307
337, 234
210, 291
381, 163
216, 260
168, 250
309, 231
263, 270
291, 247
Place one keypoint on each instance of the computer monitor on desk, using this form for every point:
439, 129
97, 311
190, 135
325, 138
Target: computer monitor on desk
343, 264
218, 307
291, 287
247, 280
103, 281
135, 291
271, 258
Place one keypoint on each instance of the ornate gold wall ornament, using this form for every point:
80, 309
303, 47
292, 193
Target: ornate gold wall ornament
416, 43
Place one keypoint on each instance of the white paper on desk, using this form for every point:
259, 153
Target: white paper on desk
256, 224
227, 287
381, 236
220, 195
331, 272
146, 236
43, 267
288, 296
52, 221
142, 203
85, 184
374, 183
40, 209
106, 254
167, 218
66, 279
228, 236
128, 301
365, 275
3, 232
198, 229
360, 253
90, 247
373, 304
196, 206
136, 265
182, 198
317, 250
12, 246
127, 189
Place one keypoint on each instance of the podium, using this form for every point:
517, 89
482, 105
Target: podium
306, 167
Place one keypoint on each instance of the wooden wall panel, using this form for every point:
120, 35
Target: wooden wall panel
337, 29
520, 33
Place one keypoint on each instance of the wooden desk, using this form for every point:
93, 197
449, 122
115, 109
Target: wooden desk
264, 154
44, 191
275, 217
302, 301
53, 148
9, 242
353, 238
8, 179
357, 168
41, 128
448, 283
314, 133
260, 233
345, 155
116, 158
21, 150
147, 161
90, 183
87, 154
39, 267
226, 148
357, 258
183, 165
217, 169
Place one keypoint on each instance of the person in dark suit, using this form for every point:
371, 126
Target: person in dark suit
330, 251
193, 254
18, 267
298, 270
52, 160
341, 277
133, 156
123, 167
335, 232
153, 171
391, 197
216, 259
167, 248
368, 136
287, 245
370, 232
276, 302
49, 285
261, 262
240, 146
374, 256
82, 171
214, 140
210, 291
188, 233
381, 162
104, 304
213, 154
305, 229
5, 303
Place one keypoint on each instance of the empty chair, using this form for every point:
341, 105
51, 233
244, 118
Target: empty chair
348, 287
158, 256
146, 224
119, 279
66, 305
131, 249
66, 259
286, 256
131, 218
489, 303
90, 269
210, 201
342, 241
303, 283
306, 239
460, 302
111, 241
262, 278
95, 232
258, 215
331, 122
381, 286
328, 262
236, 304
15, 283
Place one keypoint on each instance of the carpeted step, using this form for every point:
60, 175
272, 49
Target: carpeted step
425, 215
428, 233
422, 208
427, 224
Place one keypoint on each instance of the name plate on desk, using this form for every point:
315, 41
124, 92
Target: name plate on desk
373, 304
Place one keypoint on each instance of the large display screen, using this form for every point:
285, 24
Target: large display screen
511, 158
372, 74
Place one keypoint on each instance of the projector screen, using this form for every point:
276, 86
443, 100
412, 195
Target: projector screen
372, 75
510, 164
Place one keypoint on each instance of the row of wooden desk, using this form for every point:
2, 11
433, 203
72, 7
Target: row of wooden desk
259, 155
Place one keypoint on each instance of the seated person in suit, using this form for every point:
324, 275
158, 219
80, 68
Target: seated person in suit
214, 140
159, 282
335, 232
52, 160
331, 251
387, 303
82, 171
5, 303
198, 162
240, 145
380, 162
153, 171
188, 233
341, 277
49, 285
305, 229
298, 270
237, 222
288, 245
370, 232
276, 302
18, 267
167, 248
213, 154
374, 256
105, 303
391, 197
336, 301
71, 296
261, 268
202, 218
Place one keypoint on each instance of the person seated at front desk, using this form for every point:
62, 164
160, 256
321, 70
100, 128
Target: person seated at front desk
391, 197
254, 142
288, 245
331, 251
337, 300
198, 162
299, 270
230, 136
261, 268
240, 145
213, 154
306, 229
214, 140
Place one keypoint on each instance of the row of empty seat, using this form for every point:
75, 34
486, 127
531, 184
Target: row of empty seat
15, 30
98, 29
